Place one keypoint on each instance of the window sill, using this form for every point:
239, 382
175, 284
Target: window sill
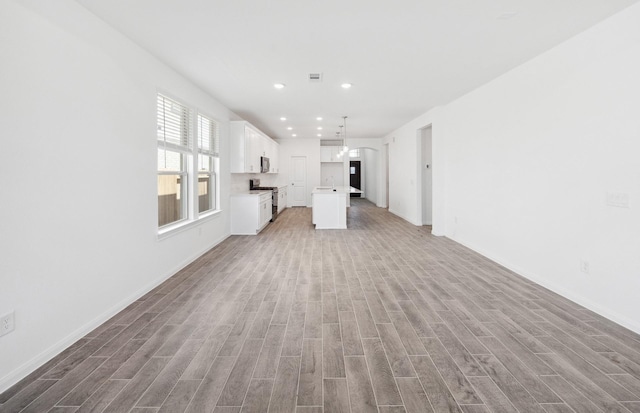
181, 226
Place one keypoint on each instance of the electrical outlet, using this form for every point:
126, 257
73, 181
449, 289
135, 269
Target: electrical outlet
7, 323
584, 266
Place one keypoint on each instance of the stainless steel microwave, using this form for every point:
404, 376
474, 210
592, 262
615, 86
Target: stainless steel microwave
264, 165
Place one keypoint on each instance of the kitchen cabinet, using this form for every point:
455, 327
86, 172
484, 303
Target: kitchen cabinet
330, 154
250, 212
282, 198
248, 144
272, 154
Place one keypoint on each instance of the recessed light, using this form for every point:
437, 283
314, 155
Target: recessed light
319, 118
294, 135
319, 135
278, 85
283, 118
346, 85
319, 127
289, 128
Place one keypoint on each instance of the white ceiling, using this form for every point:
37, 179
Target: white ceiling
403, 57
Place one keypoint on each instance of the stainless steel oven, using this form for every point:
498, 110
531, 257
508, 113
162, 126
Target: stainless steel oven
255, 184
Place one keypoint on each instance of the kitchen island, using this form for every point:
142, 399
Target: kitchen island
329, 206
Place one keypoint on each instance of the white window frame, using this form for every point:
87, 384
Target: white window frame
190, 150
208, 148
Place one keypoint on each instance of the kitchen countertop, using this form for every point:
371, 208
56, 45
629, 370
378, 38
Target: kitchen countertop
253, 192
338, 190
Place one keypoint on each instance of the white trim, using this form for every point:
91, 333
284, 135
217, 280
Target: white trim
633, 325
30, 366
183, 225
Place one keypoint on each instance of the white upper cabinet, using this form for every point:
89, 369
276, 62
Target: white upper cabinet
330, 154
248, 144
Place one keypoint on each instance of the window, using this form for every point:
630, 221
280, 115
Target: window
174, 157
207, 163
187, 173
354, 153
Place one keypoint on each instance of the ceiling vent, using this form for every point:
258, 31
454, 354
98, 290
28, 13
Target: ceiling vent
315, 77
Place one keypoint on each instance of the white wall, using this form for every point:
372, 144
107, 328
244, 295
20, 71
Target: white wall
310, 148
371, 162
529, 159
425, 184
532, 155
404, 170
78, 219
374, 172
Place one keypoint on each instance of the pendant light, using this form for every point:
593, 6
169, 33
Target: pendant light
346, 148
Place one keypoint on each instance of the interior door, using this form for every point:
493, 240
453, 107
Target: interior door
355, 176
298, 195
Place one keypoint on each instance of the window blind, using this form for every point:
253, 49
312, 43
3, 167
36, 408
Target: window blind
208, 136
174, 124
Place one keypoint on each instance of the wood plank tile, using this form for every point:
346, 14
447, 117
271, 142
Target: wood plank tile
465, 361
365, 320
570, 395
180, 396
292, 345
336, 396
408, 336
516, 393
588, 370
382, 379
240, 376
587, 388
209, 391
436, 302
435, 388
451, 373
391, 409
262, 320
168, 377
415, 399
236, 338
126, 399
397, 355
418, 323
361, 395
102, 397
258, 396
378, 312
283, 398
526, 377
27, 395
310, 386
57, 391
268, 360
350, 335
332, 353
208, 352
329, 308
313, 322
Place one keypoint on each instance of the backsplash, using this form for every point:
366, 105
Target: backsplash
240, 182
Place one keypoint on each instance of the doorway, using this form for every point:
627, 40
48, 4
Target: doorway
355, 176
426, 168
298, 181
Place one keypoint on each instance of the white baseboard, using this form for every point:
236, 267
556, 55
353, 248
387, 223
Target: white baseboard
631, 324
27, 368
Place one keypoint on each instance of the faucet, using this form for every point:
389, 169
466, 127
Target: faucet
333, 186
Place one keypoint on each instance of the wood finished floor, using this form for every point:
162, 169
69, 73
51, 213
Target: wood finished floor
380, 318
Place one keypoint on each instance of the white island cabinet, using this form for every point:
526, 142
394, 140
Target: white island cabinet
329, 208
250, 212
